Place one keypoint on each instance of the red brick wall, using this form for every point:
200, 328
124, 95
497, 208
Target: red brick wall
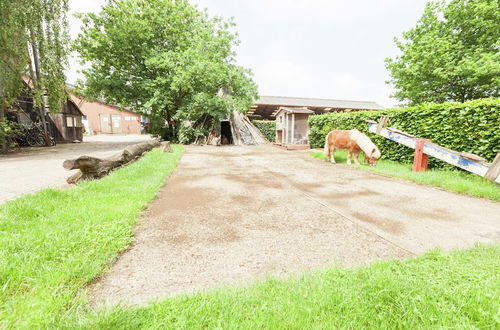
93, 109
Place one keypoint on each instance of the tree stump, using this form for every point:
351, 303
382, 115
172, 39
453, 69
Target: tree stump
91, 168
165, 146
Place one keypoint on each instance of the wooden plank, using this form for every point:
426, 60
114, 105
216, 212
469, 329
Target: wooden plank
493, 173
472, 156
381, 124
394, 136
439, 152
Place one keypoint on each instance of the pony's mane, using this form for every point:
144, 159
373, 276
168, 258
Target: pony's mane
365, 144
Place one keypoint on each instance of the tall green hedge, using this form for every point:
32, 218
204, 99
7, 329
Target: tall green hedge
267, 127
471, 127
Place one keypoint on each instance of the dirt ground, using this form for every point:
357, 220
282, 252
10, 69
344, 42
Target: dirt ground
31, 169
230, 215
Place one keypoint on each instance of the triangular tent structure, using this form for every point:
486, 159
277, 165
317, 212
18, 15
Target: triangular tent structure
237, 130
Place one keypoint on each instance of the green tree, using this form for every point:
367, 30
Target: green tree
34, 42
452, 54
164, 58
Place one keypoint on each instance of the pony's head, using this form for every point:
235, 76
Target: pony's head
373, 157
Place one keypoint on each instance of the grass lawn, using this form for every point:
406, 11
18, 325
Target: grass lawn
53, 243
454, 180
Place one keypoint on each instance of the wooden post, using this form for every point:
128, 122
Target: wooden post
494, 169
381, 124
420, 159
285, 133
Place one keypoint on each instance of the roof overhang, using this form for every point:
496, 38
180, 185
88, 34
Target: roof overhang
267, 107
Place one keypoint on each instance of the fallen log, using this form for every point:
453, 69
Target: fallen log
91, 168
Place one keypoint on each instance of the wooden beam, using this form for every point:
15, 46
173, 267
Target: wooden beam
493, 173
449, 156
382, 123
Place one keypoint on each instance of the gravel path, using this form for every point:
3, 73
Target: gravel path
230, 215
33, 169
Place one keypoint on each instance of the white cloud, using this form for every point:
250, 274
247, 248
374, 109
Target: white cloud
343, 10
75, 25
286, 78
310, 48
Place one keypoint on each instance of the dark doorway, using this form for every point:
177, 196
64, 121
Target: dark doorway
226, 137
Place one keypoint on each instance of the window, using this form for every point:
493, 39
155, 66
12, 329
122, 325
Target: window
70, 121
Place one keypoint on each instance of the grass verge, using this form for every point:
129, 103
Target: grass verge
54, 242
453, 180
438, 290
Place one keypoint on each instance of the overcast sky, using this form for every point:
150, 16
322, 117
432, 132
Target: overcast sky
308, 48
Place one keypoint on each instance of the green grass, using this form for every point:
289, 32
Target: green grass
453, 180
438, 290
54, 243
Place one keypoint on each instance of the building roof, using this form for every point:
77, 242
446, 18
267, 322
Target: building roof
323, 103
71, 88
267, 107
295, 110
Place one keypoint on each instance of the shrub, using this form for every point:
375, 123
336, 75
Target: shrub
8, 131
470, 127
267, 127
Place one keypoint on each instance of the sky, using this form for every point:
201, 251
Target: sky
308, 48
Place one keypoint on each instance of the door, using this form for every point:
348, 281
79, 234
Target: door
279, 136
105, 124
117, 123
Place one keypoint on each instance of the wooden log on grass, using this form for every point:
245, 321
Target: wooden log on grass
91, 168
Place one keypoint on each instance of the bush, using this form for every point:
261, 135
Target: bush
470, 127
8, 131
267, 127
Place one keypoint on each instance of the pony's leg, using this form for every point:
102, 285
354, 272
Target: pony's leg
349, 156
356, 156
332, 154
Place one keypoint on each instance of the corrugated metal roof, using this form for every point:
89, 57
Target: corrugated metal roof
320, 103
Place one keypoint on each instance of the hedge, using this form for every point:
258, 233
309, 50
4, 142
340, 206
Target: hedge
267, 127
472, 126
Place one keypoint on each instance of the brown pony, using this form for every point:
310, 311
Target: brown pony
353, 141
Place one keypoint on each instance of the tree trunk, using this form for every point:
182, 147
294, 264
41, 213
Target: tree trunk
3, 139
36, 82
95, 168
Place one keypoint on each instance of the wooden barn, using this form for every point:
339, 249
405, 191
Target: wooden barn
68, 123
292, 126
64, 125
292, 115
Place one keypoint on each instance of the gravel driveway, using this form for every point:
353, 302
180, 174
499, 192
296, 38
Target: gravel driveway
33, 169
230, 215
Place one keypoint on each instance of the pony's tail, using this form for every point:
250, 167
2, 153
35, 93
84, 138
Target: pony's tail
326, 150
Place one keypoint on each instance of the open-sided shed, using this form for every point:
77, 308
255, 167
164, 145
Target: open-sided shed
292, 127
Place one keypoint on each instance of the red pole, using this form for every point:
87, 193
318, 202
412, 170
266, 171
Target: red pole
420, 159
